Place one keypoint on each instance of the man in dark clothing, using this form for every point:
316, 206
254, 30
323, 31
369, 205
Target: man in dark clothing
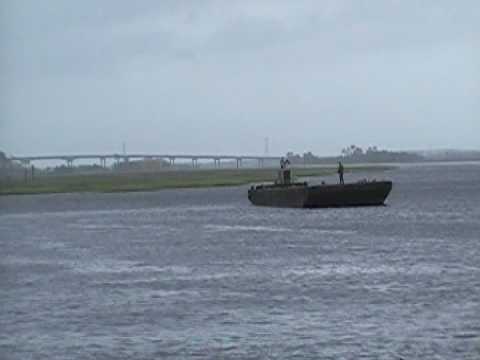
284, 163
340, 172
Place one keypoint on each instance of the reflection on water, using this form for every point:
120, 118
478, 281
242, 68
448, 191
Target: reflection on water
202, 273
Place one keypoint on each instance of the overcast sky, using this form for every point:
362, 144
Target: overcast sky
220, 76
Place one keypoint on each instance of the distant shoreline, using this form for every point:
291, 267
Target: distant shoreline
153, 181
397, 164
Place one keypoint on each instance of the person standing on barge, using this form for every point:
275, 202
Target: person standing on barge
340, 172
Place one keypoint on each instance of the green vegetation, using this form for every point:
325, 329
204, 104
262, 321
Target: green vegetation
354, 154
122, 182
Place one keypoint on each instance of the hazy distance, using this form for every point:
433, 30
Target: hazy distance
220, 76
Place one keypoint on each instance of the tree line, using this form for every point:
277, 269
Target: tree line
355, 154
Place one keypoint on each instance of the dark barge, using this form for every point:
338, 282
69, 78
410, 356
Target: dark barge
300, 195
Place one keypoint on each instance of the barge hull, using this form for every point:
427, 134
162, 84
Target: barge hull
321, 196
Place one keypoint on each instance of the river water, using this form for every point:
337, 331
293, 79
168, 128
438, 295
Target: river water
180, 274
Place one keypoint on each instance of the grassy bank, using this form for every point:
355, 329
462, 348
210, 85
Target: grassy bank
122, 182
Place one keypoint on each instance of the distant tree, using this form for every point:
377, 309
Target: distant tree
294, 158
352, 151
309, 158
4, 160
9, 167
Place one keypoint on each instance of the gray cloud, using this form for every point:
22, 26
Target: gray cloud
218, 76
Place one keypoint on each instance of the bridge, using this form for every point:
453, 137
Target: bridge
102, 158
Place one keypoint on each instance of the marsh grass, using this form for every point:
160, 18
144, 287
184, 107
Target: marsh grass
123, 182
